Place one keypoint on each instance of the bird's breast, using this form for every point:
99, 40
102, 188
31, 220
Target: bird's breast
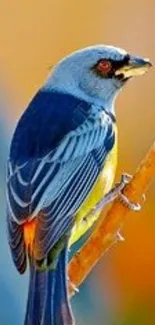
101, 187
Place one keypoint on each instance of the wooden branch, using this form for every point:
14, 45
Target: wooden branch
105, 234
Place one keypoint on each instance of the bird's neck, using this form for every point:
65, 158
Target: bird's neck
70, 88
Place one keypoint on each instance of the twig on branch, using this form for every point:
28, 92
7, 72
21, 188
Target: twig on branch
105, 234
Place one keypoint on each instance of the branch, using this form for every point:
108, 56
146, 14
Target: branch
105, 234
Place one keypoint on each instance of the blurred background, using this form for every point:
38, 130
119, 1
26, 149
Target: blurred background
34, 35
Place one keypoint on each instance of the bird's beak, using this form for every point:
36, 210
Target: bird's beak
135, 67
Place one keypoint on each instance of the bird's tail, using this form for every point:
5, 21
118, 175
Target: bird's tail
47, 299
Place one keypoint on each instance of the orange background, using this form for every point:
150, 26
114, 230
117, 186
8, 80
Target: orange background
34, 35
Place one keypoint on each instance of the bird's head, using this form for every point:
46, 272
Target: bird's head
96, 73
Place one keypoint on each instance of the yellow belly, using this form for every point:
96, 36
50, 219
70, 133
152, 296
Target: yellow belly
101, 187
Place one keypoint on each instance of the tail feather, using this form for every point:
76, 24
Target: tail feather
62, 311
48, 302
36, 296
48, 307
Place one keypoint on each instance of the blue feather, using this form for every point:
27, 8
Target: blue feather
49, 117
58, 150
48, 302
38, 287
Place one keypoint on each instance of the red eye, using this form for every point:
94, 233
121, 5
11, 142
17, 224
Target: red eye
104, 66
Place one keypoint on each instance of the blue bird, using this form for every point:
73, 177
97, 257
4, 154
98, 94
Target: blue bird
61, 164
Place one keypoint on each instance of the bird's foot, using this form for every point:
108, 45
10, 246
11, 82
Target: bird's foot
114, 193
110, 196
134, 206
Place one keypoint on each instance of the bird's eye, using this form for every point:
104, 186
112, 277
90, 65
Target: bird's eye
104, 66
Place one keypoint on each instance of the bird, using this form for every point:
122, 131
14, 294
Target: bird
61, 164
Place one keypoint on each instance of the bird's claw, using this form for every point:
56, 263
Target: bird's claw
114, 193
130, 205
125, 179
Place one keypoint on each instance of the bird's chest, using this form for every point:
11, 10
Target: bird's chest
101, 187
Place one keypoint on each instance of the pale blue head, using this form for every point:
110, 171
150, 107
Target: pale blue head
96, 73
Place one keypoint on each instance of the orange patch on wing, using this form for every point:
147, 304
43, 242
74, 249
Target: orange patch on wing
29, 234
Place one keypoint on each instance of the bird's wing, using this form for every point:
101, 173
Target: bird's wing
52, 179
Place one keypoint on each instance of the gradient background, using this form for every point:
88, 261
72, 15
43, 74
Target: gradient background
33, 36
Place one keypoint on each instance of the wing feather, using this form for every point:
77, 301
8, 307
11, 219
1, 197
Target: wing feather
50, 178
55, 222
